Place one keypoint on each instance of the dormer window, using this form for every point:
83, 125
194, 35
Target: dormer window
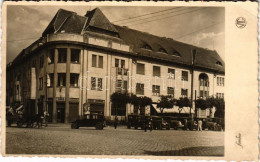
162, 50
146, 46
175, 53
219, 63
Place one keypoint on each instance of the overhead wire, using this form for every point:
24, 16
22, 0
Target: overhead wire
145, 15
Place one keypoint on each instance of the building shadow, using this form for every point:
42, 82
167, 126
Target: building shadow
190, 151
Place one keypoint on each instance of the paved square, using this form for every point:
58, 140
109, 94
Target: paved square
61, 139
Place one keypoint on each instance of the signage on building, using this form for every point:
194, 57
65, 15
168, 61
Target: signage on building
60, 99
96, 101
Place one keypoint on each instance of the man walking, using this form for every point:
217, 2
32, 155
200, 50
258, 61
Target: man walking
116, 122
199, 125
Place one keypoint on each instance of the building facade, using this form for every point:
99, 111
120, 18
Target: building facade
81, 60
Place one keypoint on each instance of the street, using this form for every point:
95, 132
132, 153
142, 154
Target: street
61, 139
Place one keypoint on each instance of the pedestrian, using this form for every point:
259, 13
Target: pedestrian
185, 124
199, 125
116, 122
151, 125
46, 117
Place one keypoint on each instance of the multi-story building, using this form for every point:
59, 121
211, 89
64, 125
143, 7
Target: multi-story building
81, 60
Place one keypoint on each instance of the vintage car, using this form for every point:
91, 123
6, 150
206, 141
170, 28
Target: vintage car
90, 120
159, 122
137, 121
174, 122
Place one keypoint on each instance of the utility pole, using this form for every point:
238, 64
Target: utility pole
194, 52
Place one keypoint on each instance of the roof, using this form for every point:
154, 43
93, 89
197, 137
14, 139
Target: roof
204, 57
144, 44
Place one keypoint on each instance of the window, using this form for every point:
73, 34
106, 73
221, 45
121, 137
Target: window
184, 75
75, 56
62, 55
74, 80
51, 56
156, 90
162, 50
94, 60
34, 64
219, 63
41, 83
220, 95
97, 61
100, 61
139, 89
220, 81
146, 46
184, 92
125, 86
118, 109
119, 85
140, 69
96, 83
99, 84
122, 63
61, 79
170, 91
93, 83
171, 73
41, 61
50, 79
116, 62
156, 71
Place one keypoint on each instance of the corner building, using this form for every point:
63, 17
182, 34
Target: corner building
81, 60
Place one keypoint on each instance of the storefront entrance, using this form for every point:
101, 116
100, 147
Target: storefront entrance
96, 106
60, 112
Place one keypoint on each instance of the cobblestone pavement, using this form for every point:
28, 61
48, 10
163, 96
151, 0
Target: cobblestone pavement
60, 139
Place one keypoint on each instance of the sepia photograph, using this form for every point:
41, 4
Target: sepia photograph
115, 80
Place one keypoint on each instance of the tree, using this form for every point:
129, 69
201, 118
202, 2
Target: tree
140, 102
165, 102
183, 102
220, 108
202, 104
119, 100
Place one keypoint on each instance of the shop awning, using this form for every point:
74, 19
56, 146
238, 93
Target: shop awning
175, 109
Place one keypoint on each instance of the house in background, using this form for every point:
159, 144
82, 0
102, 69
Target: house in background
81, 60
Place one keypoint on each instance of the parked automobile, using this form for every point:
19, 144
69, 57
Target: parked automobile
90, 120
137, 121
159, 122
174, 122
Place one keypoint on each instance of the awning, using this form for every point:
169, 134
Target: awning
175, 109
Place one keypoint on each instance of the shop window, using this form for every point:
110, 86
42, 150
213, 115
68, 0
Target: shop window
171, 73
74, 80
61, 79
62, 55
118, 109
156, 90
184, 75
156, 71
140, 69
139, 89
75, 53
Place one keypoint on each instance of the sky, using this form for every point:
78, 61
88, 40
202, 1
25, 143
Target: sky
199, 26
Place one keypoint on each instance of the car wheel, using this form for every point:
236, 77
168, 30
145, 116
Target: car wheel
99, 126
74, 126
